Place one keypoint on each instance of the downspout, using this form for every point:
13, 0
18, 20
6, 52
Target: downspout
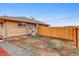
5, 30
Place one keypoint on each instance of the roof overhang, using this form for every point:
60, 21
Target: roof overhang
17, 20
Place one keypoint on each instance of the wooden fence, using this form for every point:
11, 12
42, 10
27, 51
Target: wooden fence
65, 33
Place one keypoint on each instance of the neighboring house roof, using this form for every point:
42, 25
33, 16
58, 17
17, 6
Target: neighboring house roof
24, 19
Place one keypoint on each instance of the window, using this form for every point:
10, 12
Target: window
1, 24
22, 25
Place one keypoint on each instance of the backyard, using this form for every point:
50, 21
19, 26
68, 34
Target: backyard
46, 46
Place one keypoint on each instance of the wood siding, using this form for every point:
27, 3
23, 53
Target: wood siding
14, 30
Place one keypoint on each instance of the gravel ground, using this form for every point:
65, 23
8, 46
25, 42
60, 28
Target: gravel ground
15, 50
44, 46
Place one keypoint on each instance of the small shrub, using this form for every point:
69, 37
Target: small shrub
75, 52
56, 44
34, 37
27, 46
41, 46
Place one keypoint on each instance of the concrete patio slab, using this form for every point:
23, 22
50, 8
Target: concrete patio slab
15, 50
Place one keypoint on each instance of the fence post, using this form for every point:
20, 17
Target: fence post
76, 37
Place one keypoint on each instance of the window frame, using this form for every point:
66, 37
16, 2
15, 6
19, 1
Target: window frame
22, 25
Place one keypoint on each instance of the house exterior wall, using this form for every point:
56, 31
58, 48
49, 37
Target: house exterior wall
11, 29
14, 30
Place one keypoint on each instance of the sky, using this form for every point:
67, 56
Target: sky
54, 14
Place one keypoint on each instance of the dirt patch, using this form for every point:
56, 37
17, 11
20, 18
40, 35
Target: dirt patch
45, 46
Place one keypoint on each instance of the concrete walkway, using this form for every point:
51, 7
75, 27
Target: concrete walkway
15, 50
